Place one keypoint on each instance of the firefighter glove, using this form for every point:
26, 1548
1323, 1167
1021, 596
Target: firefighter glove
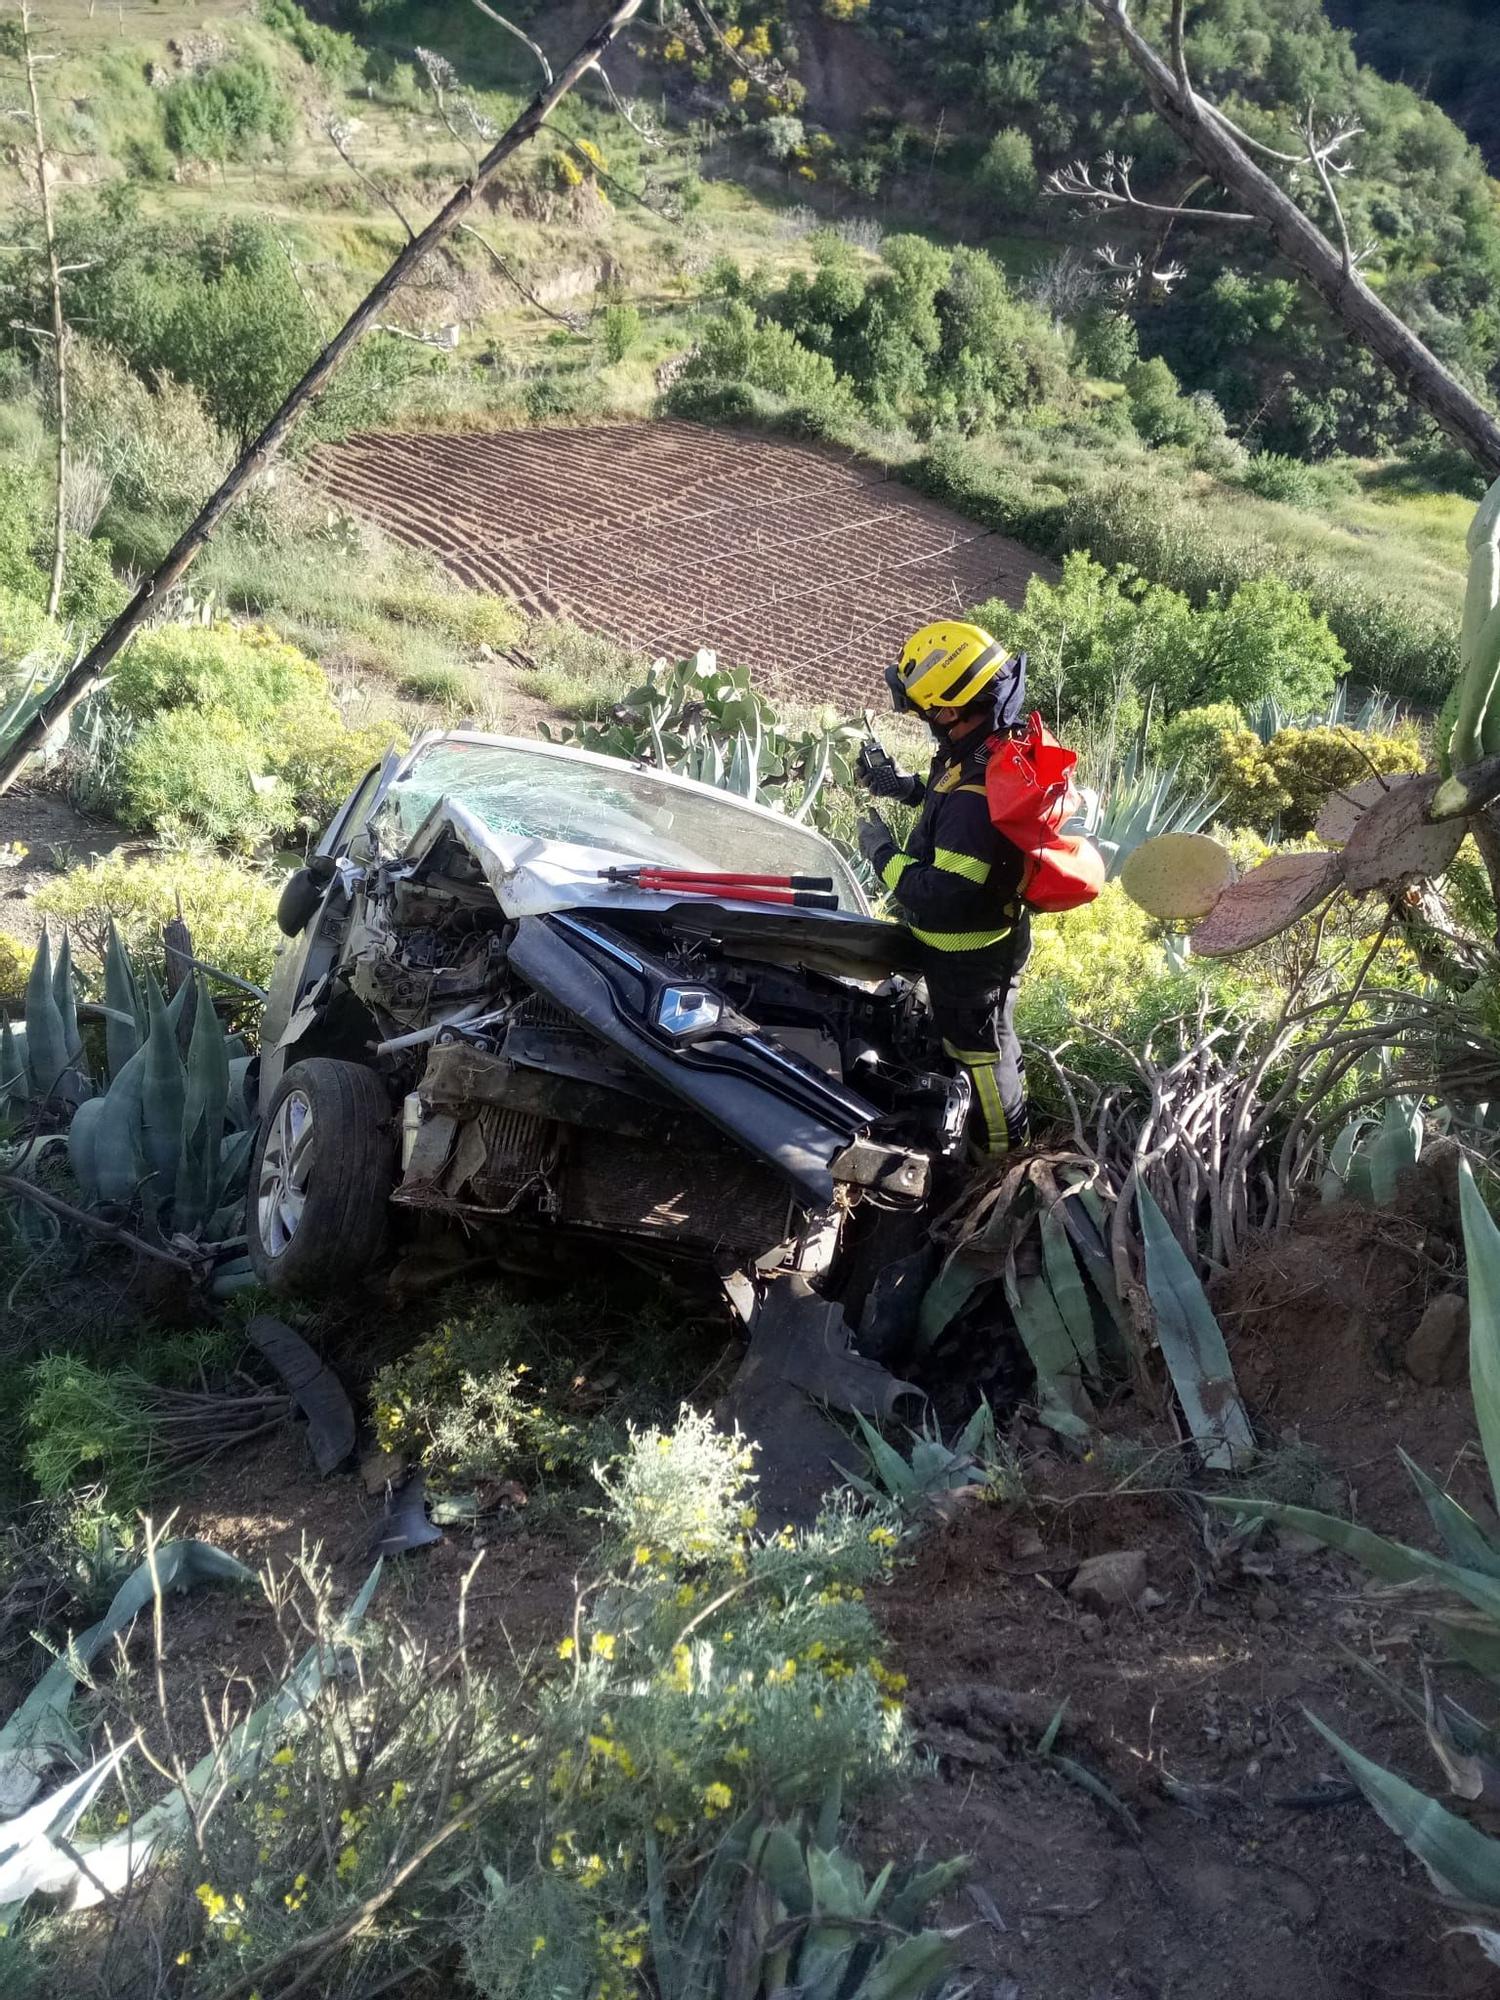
874, 836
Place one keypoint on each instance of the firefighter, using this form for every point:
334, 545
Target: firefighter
957, 881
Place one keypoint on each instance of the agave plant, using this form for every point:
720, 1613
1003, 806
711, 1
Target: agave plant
1141, 803
165, 1137
804, 1919
45, 1064
1463, 1862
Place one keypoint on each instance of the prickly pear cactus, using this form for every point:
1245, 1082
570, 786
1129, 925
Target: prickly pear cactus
1267, 900
1177, 876
1343, 809
1395, 843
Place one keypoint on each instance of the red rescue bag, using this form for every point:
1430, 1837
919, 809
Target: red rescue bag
1028, 787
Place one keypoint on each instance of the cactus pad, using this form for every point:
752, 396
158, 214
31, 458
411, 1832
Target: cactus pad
1344, 809
1177, 875
1269, 899
1394, 843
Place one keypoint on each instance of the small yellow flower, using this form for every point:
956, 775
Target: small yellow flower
602, 1645
883, 1538
565, 1650
538, 1946
739, 90
284, 1755
347, 1862
748, 1517
184, 1958
717, 1798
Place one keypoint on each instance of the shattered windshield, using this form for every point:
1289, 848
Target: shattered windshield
628, 811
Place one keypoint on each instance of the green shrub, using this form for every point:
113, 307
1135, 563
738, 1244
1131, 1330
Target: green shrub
451, 688
1007, 173
229, 908
1098, 636
1106, 339
1267, 641
155, 442
15, 966
1193, 743
1287, 780
1274, 476
192, 773
226, 112
337, 57
622, 330
246, 671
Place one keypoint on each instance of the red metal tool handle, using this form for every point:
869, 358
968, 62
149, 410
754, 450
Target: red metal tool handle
719, 878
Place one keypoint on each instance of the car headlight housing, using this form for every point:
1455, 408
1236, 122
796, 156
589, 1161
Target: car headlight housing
688, 1010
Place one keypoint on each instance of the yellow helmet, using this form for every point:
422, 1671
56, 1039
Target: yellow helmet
945, 665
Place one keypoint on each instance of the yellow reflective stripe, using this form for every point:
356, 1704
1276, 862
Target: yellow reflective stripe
970, 1057
895, 868
987, 1087
960, 940
968, 865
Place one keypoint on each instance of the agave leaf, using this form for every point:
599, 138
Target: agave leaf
1475, 1641
31, 1862
1192, 1344
1462, 1536
65, 994
125, 1023
163, 1093
1462, 1861
1062, 1401
1395, 1148
39, 1730
1392, 1562
83, 1134
977, 1439
46, 1038
1066, 1285
891, 1468
909, 1901
1337, 1182
110, 1864
205, 1098
777, 1857
118, 1156
15, 1075
916, 1965
1482, 1254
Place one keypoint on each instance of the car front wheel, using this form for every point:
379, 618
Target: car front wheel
321, 1176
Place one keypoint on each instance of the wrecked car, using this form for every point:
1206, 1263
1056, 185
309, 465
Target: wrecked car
486, 1013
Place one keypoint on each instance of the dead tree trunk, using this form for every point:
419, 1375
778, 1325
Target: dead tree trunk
85, 676
1331, 274
59, 334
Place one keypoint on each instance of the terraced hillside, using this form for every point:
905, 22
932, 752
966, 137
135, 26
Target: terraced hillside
791, 559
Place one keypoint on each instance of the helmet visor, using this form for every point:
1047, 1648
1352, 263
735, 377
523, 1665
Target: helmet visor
901, 701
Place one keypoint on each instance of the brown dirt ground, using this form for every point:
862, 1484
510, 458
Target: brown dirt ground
1192, 1713
55, 838
797, 560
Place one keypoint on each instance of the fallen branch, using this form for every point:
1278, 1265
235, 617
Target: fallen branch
85, 676
96, 1225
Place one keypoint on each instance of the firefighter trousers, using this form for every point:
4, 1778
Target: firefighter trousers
981, 1036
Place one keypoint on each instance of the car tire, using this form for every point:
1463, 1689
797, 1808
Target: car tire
321, 1173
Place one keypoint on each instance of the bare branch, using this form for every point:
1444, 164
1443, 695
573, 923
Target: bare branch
1179, 51
80, 1218
1320, 163
646, 137
1366, 318
1113, 190
520, 35
574, 322
339, 136
31, 62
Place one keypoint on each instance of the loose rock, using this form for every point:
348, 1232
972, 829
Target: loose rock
1107, 1581
1438, 1351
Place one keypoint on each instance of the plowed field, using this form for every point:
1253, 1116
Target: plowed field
791, 559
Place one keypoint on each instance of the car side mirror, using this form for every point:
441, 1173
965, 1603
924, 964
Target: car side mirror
302, 893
